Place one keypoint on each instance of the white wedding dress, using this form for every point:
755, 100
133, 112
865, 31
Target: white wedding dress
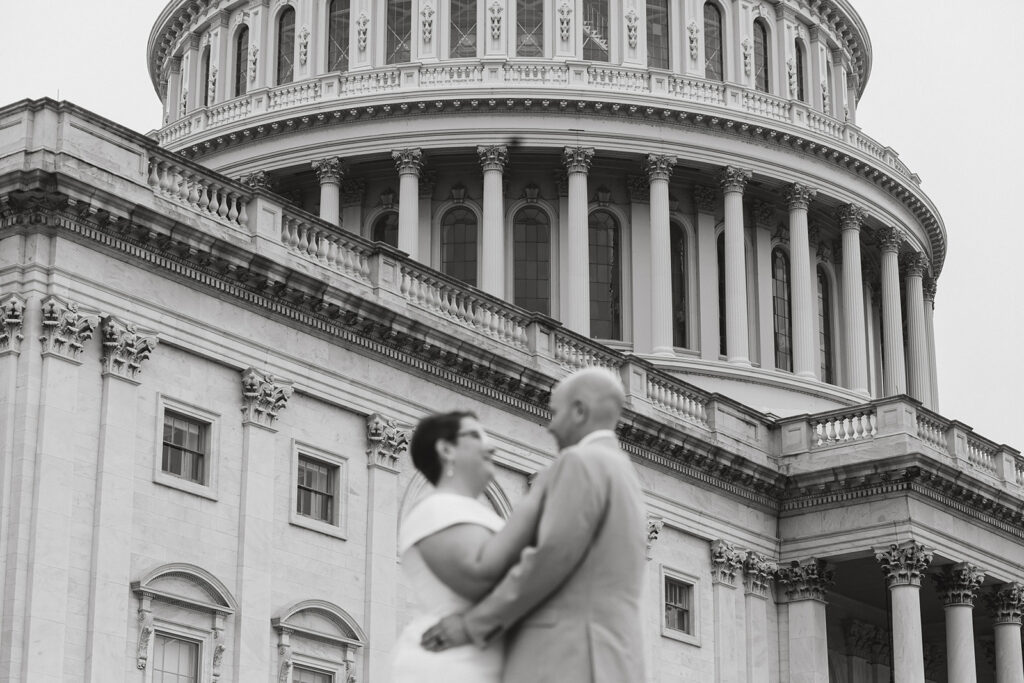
434, 600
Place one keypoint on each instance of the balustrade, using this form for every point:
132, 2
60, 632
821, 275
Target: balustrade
981, 454
195, 188
826, 125
294, 94
697, 90
450, 74
333, 248
629, 80
536, 74
575, 352
932, 430
859, 424
229, 111
766, 105
370, 82
671, 397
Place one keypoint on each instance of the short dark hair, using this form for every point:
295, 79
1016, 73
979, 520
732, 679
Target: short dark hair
431, 428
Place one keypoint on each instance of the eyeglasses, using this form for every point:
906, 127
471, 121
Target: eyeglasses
475, 433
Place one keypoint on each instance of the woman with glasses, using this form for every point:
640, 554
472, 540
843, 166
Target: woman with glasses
454, 548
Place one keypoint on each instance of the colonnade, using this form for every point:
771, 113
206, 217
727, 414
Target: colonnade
906, 370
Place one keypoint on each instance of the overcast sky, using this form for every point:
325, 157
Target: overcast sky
945, 92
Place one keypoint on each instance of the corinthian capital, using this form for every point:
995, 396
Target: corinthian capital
12, 319
125, 348
1007, 602
726, 560
799, 196
65, 328
386, 441
916, 264
493, 157
577, 159
930, 287
807, 580
659, 166
706, 198
734, 179
408, 160
959, 584
851, 216
904, 563
890, 239
328, 170
263, 397
758, 571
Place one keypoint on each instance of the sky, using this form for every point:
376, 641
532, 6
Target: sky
945, 92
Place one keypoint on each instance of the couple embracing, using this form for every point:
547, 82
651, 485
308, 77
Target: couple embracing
554, 593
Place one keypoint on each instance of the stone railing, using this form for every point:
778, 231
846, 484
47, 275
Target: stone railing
697, 90
232, 110
574, 352
767, 105
843, 427
294, 94
194, 187
666, 393
536, 73
622, 80
331, 247
450, 74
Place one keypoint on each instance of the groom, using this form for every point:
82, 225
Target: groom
571, 606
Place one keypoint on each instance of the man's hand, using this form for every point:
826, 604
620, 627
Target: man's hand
449, 632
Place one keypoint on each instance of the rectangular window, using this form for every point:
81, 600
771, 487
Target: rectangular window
463, 29
185, 446
678, 613
301, 674
399, 31
318, 484
595, 30
530, 28
175, 660
657, 34
316, 489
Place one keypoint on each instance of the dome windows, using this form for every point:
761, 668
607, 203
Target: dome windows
677, 242
530, 28
462, 35
714, 58
825, 352
241, 60
399, 31
595, 30
658, 43
761, 56
799, 57
459, 244
531, 266
338, 18
781, 311
605, 276
286, 46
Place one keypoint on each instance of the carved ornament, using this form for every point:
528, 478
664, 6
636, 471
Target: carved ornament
930, 287
577, 159
867, 641
427, 22
65, 328
1007, 602
218, 655
806, 580
791, 76
659, 166
758, 571
284, 673
638, 188
145, 636
825, 103
904, 563
764, 213
748, 56
565, 21
263, 396
259, 180
254, 57
493, 157
654, 526
561, 182
303, 45
632, 27
531, 193
706, 198
328, 170
916, 264
495, 10
362, 30
734, 179
959, 584
781, 234
125, 348
890, 239
726, 560
799, 196
851, 216
12, 320
408, 160
428, 181
352, 192
211, 86
387, 443
692, 36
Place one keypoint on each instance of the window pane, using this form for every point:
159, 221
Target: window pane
714, 60
677, 605
780, 306
657, 34
175, 660
286, 47
721, 295
604, 276
531, 268
760, 56
399, 31
316, 486
799, 59
385, 229
458, 245
337, 35
206, 77
679, 303
184, 447
303, 675
595, 30
825, 328
463, 28
241, 60
530, 28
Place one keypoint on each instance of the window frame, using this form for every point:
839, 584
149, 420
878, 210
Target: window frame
440, 214
180, 633
279, 54
607, 6
552, 253
344, 39
620, 273
759, 24
668, 36
538, 31
694, 583
209, 489
240, 86
782, 357
339, 528
394, 6
722, 41
317, 666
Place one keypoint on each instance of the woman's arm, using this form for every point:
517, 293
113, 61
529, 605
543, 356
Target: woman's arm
469, 559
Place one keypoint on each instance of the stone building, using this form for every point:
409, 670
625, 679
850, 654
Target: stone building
355, 212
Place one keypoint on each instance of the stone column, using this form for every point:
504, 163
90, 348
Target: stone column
1007, 603
706, 199
765, 228
493, 159
851, 218
726, 561
758, 571
894, 366
409, 163
387, 445
125, 348
263, 398
903, 565
929, 324
958, 585
576, 278
329, 172
736, 340
805, 344
806, 583
917, 333
65, 332
12, 326
659, 170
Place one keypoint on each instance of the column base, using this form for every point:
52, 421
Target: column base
669, 351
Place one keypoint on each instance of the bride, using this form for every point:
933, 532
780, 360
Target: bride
454, 548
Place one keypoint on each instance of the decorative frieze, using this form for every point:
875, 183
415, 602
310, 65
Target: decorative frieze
493, 157
659, 166
65, 328
734, 179
706, 198
890, 239
1006, 603
799, 196
12, 320
807, 580
263, 397
328, 170
386, 442
726, 560
408, 160
259, 180
577, 159
758, 571
959, 584
125, 348
904, 563
851, 217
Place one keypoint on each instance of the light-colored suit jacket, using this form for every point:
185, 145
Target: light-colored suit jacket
571, 605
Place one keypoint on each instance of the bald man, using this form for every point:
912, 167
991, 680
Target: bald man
570, 608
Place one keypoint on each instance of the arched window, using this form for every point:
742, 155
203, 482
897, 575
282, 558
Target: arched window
385, 229
458, 244
714, 59
677, 237
399, 36
241, 60
605, 285
531, 265
530, 28
761, 63
338, 18
462, 33
658, 49
826, 92
800, 94
205, 65
721, 294
781, 311
286, 47
595, 30
825, 328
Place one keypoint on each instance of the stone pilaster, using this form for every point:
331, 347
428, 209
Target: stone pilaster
1007, 604
958, 586
329, 173
726, 563
706, 201
805, 342
659, 170
806, 583
758, 571
387, 444
576, 292
903, 565
263, 398
917, 334
851, 218
409, 163
493, 159
737, 344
